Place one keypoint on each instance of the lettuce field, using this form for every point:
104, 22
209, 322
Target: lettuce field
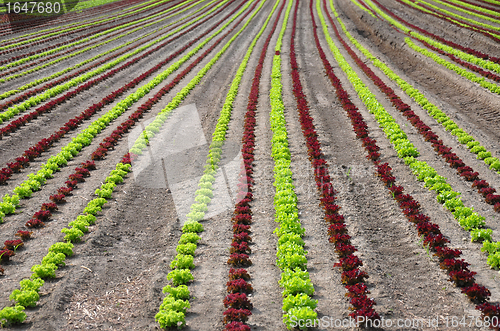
250, 165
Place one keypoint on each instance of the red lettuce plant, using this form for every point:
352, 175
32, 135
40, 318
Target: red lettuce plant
351, 277
15, 166
444, 253
6, 254
239, 286
240, 248
486, 190
349, 263
337, 228
240, 237
238, 273
237, 301
34, 223
479, 184
240, 260
65, 190
42, 215
71, 183
489, 310
344, 250
25, 235
365, 314
50, 206
236, 315
13, 244
334, 219
58, 198
419, 218
340, 238
240, 228
362, 302
242, 219
424, 228
462, 277
89, 165
453, 264
435, 240
477, 293
356, 290
76, 177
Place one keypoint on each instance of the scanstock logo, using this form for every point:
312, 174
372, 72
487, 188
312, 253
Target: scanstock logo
175, 159
20, 13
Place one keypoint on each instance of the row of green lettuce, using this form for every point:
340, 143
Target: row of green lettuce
68, 152
465, 216
27, 295
65, 57
463, 137
291, 256
488, 65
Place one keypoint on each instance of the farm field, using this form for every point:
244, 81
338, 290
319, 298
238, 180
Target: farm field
250, 165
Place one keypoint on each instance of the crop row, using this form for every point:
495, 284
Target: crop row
457, 269
291, 256
463, 137
352, 277
76, 81
70, 150
405, 150
237, 303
